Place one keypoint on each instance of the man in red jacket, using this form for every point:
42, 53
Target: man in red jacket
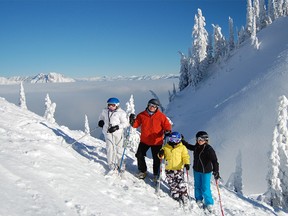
153, 125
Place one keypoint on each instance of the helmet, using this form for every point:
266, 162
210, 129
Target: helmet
175, 137
113, 101
154, 101
202, 134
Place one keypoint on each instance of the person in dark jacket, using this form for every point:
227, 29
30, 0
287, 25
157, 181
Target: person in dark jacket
205, 163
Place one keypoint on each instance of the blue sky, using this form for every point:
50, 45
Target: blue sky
96, 38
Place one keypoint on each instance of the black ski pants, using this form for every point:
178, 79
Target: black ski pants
141, 153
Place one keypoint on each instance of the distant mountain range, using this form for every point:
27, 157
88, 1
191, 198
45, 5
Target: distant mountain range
59, 78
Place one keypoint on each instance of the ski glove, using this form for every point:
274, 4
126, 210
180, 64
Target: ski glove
101, 123
132, 119
161, 153
167, 133
216, 175
187, 166
113, 129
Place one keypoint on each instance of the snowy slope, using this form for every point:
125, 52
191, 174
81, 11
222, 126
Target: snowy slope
238, 105
43, 174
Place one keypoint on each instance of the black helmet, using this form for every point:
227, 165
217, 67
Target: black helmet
202, 134
154, 101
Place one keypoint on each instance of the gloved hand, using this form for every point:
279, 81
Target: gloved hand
132, 118
161, 153
216, 175
101, 123
167, 133
113, 128
187, 166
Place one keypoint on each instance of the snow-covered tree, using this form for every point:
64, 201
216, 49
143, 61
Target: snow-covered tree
50, 109
199, 48
22, 98
282, 140
249, 18
272, 9
235, 180
254, 39
273, 196
219, 43
231, 35
210, 57
277, 194
238, 185
263, 19
241, 35
184, 75
173, 94
132, 136
285, 8
87, 128
256, 9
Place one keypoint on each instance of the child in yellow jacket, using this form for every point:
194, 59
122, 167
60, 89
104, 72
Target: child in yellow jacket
176, 158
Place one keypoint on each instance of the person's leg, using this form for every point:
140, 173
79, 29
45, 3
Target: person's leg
110, 151
156, 161
119, 151
206, 188
140, 155
198, 186
170, 177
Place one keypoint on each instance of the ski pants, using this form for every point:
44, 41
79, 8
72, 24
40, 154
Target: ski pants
114, 148
202, 187
141, 153
175, 180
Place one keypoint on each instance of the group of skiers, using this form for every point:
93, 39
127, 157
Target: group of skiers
155, 127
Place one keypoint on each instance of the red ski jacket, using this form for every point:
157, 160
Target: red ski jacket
152, 127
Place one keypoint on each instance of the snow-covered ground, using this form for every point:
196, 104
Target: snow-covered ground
42, 173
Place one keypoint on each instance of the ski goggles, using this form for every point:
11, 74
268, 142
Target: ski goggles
174, 139
152, 105
112, 105
202, 138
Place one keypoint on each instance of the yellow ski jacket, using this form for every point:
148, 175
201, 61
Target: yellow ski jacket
175, 157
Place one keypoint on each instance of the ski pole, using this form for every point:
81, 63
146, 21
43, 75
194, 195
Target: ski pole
125, 146
219, 197
188, 188
82, 137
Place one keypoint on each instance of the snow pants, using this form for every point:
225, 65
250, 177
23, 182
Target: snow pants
202, 187
114, 148
141, 153
178, 189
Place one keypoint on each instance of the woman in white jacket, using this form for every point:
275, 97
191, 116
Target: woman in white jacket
113, 121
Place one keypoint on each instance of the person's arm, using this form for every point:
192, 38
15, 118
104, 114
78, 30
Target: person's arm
188, 145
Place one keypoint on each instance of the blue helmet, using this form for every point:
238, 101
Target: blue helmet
113, 101
175, 137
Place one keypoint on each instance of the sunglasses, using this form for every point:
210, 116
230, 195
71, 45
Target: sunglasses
152, 105
112, 105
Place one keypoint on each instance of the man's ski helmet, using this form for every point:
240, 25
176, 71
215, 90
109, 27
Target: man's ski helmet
175, 137
154, 102
202, 134
113, 101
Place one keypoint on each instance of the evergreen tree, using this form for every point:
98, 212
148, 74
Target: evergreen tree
184, 75
254, 39
263, 19
272, 10
50, 110
283, 148
256, 9
210, 58
241, 36
274, 190
285, 8
132, 136
87, 128
249, 18
238, 185
231, 35
219, 43
22, 98
199, 49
